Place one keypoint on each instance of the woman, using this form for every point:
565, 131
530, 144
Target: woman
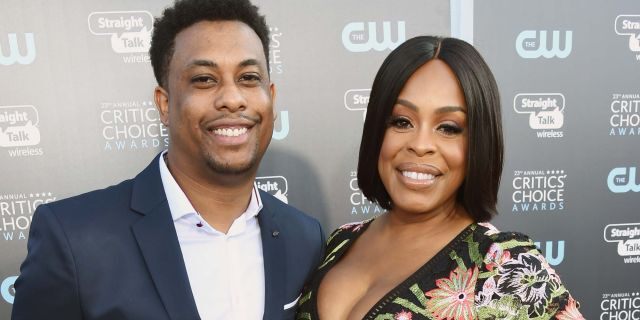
431, 155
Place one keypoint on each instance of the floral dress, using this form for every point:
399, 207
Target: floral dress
481, 274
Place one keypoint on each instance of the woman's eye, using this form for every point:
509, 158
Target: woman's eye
450, 129
400, 123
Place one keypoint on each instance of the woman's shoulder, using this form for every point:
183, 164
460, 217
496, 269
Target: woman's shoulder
347, 231
488, 232
490, 239
501, 249
515, 278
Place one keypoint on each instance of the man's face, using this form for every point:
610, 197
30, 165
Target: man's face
218, 103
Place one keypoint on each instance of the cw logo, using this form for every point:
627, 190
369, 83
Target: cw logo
531, 45
620, 180
284, 126
355, 39
548, 252
14, 55
7, 290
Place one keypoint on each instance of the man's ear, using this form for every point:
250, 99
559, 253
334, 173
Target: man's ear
161, 96
272, 91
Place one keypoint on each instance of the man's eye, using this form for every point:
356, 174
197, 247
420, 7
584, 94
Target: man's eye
400, 123
203, 80
250, 78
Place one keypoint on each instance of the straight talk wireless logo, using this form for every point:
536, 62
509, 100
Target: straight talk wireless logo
129, 32
626, 236
545, 110
629, 26
276, 186
357, 100
19, 131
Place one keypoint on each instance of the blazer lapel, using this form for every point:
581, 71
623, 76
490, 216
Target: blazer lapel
273, 252
158, 242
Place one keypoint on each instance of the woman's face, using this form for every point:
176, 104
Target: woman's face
423, 156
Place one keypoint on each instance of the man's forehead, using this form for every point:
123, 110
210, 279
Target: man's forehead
218, 34
233, 41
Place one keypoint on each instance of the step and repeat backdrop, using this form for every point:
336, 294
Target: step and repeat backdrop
76, 114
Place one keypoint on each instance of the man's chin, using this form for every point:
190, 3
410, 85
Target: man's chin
231, 168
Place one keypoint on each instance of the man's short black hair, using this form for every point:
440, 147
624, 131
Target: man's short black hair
185, 13
479, 191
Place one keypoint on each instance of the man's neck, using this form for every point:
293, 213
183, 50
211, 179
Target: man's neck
218, 204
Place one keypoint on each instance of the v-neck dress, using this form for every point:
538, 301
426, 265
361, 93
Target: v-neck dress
481, 274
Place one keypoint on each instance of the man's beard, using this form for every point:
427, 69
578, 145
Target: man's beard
226, 168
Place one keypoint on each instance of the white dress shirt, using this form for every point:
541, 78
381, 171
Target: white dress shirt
226, 271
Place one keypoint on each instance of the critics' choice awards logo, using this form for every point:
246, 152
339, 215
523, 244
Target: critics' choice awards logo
532, 44
360, 205
276, 186
275, 52
546, 112
553, 251
625, 114
363, 37
132, 125
12, 52
16, 211
538, 191
622, 180
629, 25
7, 290
620, 306
128, 31
357, 100
627, 235
19, 130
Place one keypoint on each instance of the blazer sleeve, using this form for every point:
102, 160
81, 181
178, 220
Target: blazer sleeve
47, 287
323, 244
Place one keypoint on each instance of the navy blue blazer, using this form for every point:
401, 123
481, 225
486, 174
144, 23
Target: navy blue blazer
114, 254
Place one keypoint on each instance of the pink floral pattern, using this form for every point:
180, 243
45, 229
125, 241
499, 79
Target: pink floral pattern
403, 315
353, 226
453, 299
571, 312
496, 257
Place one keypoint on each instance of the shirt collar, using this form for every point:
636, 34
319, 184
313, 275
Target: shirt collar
180, 205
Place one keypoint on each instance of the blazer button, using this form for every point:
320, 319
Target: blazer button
275, 233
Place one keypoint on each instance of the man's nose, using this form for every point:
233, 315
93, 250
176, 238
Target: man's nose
230, 97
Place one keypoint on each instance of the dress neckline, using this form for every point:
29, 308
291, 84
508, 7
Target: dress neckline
353, 236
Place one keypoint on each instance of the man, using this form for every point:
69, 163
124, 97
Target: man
191, 236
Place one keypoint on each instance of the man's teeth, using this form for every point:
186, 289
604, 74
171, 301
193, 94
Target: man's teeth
230, 132
418, 175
